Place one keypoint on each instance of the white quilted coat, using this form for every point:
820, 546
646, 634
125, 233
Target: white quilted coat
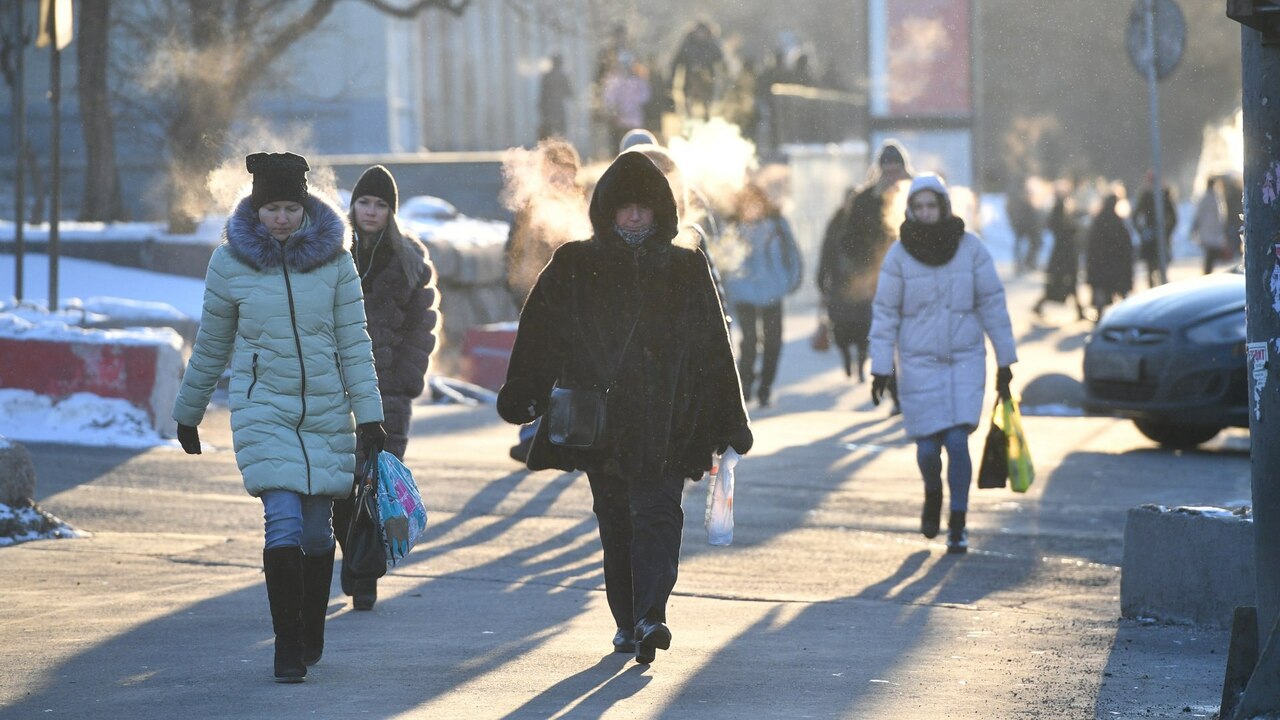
935, 318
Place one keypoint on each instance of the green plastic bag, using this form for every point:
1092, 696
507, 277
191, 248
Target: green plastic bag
1021, 471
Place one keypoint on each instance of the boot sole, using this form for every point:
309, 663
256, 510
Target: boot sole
658, 638
290, 680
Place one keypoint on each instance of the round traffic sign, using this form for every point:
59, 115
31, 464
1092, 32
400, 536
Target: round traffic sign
1170, 28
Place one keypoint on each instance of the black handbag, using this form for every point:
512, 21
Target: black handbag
577, 417
993, 472
365, 556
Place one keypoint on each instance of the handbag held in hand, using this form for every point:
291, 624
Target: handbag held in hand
364, 555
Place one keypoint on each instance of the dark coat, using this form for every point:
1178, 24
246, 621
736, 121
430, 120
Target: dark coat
400, 300
1109, 261
1064, 260
675, 395
853, 249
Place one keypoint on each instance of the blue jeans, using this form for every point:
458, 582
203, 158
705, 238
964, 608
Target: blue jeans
292, 519
959, 466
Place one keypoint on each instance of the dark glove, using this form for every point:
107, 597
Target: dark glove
373, 437
741, 441
1003, 376
879, 383
189, 438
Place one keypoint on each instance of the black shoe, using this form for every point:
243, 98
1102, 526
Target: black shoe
624, 641
957, 536
520, 451
764, 397
650, 637
364, 595
931, 516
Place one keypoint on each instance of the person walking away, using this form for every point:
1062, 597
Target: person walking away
856, 240
1064, 260
282, 305
1144, 222
761, 265
1109, 256
937, 296
554, 90
634, 317
401, 303
1207, 226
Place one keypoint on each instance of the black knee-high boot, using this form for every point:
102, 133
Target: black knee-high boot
931, 515
283, 568
957, 536
317, 576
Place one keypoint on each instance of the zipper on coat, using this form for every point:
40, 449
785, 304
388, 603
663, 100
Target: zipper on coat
249, 395
302, 372
342, 375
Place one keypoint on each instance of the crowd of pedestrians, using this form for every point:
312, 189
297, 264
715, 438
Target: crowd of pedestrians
623, 365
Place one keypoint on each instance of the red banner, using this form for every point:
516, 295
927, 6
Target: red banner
923, 49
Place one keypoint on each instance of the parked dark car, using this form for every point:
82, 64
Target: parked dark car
1173, 359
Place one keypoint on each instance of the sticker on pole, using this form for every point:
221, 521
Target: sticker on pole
1256, 353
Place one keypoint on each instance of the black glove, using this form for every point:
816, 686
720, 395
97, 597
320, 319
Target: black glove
189, 438
1003, 376
741, 441
373, 437
879, 383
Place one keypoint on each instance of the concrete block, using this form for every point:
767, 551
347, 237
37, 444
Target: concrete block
144, 369
17, 475
1189, 565
486, 351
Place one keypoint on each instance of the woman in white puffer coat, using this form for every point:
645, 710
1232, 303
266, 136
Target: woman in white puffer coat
938, 294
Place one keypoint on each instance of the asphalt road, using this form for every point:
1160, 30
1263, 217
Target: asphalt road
829, 604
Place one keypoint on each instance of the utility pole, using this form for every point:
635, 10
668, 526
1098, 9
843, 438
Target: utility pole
19, 144
1253, 678
55, 200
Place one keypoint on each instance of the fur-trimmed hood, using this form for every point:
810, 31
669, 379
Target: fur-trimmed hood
324, 236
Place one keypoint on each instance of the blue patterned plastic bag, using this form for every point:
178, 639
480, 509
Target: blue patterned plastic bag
404, 517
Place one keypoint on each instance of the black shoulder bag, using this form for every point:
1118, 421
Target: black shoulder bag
576, 417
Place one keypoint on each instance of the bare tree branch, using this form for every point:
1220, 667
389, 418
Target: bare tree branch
272, 47
457, 7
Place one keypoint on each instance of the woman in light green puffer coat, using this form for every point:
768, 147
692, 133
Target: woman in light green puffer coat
283, 306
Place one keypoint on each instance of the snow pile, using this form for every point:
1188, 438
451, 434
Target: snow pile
31, 523
101, 282
79, 419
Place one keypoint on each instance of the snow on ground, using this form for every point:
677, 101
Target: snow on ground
21, 524
79, 419
106, 286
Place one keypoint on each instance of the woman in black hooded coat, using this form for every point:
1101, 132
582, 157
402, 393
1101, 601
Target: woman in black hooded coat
631, 313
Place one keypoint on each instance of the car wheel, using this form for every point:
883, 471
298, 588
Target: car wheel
1177, 436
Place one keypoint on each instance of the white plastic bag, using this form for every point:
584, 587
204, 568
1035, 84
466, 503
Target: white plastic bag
719, 515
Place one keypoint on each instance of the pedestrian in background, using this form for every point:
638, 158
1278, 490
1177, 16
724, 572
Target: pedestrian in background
282, 305
699, 62
856, 240
1109, 256
400, 302
635, 317
554, 90
1144, 222
938, 295
761, 265
626, 93
1064, 259
1207, 226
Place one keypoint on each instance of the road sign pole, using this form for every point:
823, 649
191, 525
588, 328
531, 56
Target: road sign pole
1153, 99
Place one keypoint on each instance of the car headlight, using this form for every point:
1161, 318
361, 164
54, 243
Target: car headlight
1219, 331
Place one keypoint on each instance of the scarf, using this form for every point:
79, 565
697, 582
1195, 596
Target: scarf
633, 238
932, 244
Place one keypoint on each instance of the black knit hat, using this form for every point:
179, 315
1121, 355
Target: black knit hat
277, 177
377, 181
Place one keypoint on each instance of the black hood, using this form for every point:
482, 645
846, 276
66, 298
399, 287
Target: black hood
633, 178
